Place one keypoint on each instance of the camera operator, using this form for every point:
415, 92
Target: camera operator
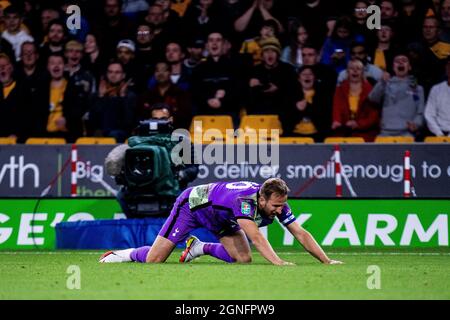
145, 191
162, 111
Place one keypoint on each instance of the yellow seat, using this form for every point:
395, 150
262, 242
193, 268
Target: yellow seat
332, 140
45, 141
296, 140
8, 140
254, 123
96, 140
394, 139
255, 129
444, 139
207, 129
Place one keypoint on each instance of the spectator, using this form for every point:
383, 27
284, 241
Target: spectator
132, 9
318, 17
9, 99
431, 55
33, 79
371, 72
359, 27
165, 91
14, 33
179, 74
202, 17
47, 15
56, 39
73, 53
249, 23
382, 55
444, 14
388, 10
353, 116
114, 110
292, 54
113, 26
402, 101
163, 31
29, 56
126, 56
271, 82
195, 51
410, 20
269, 29
94, 58
336, 49
431, 32
56, 122
325, 76
310, 114
437, 110
145, 56
216, 84
170, 16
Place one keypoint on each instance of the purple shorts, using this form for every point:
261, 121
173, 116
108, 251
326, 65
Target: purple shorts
182, 220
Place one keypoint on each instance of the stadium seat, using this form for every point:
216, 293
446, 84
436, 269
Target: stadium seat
333, 140
260, 122
8, 140
251, 124
405, 139
96, 140
216, 127
437, 139
45, 141
296, 140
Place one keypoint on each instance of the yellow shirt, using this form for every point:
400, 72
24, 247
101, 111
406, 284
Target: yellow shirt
306, 126
252, 47
7, 90
353, 102
380, 60
441, 50
56, 108
180, 6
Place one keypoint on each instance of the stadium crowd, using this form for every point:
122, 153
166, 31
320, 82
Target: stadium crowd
315, 63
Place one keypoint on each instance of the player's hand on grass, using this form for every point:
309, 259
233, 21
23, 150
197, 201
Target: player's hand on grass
334, 262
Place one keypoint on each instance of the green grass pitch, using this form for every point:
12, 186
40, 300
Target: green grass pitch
403, 274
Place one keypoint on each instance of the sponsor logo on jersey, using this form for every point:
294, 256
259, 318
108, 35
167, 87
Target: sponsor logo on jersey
245, 208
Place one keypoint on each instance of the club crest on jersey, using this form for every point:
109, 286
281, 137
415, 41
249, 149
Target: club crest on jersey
245, 208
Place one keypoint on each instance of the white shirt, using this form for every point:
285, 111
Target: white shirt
437, 110
16, 40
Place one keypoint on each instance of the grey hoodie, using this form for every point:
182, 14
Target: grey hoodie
402, 100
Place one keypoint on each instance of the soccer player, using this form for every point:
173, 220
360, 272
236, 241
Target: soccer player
231, 211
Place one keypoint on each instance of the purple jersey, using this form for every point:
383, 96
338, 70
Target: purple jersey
217, 207
240, 197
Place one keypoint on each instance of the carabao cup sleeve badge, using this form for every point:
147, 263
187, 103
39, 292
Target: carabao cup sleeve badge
245, 208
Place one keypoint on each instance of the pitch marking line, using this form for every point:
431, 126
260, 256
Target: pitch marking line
282, 253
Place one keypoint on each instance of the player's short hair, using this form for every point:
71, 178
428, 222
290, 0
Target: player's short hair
274, 186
